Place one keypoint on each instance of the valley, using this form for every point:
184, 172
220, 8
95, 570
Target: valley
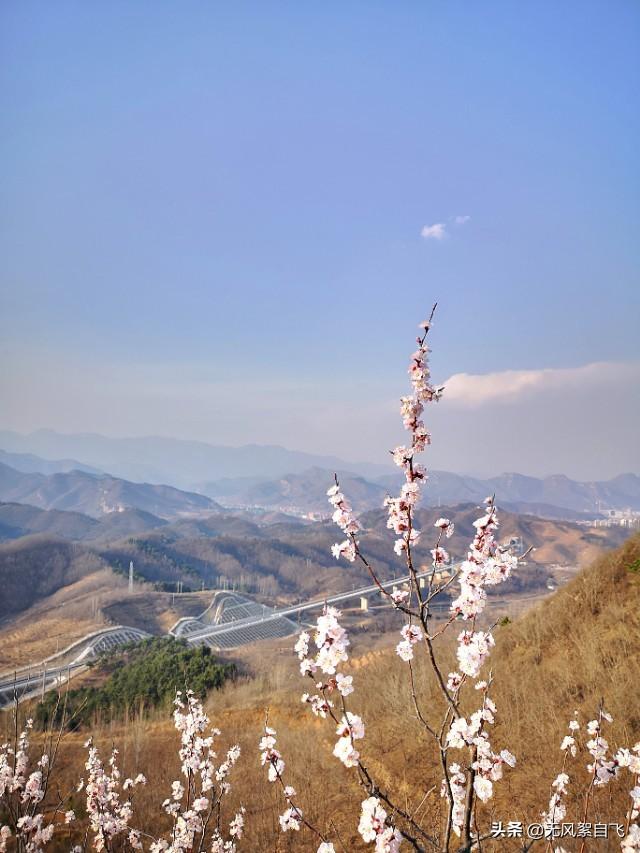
227, 578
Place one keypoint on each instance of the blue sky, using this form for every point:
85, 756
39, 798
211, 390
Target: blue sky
211, 222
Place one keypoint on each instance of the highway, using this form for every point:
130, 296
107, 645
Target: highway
230, 621
266, 615
58, 669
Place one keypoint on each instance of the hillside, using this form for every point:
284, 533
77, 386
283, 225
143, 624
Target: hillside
280, 561
553, 541
288, 560
94, 495
18, 520
538, 688
581, 645
57, 590
35, 567
52, 623
143, 675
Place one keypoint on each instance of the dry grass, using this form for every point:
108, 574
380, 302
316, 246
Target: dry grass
93, 602
581, 644
55, 622
155, 612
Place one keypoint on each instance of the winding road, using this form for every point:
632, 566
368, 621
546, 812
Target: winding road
230, 621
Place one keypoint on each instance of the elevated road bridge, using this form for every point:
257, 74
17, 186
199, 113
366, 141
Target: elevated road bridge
56, 670
230, 621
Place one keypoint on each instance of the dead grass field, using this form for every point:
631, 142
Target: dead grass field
564, 654
155, 612
96, 601
57, 621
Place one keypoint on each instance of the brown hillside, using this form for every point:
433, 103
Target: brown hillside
581, 644
34, 567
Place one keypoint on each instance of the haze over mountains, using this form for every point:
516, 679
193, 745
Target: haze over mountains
535, 495
174, 461
95, 474
29, 463
17, 520
97, 495
67, 538
551, 497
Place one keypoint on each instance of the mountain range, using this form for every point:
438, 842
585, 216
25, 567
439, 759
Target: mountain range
282, 559
551, 497
17, 520
304, 492
532, 494
273, 478
30, 464
180, 463
98, 495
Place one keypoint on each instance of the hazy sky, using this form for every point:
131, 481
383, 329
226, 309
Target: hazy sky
224, 221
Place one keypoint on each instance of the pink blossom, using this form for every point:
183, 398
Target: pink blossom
411, 635
374, 827
5, 835
483, 788
446, 526
346, 521
473, 649
440, 556
349, 729
454, 681
344, 684
331, 641
400, 595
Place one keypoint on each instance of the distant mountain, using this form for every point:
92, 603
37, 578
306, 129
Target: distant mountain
277, 478
549, 511
558, 490
530, 494
175, 461
305, 492
29, 463
287, 560
18, 520
98, 496
552, 497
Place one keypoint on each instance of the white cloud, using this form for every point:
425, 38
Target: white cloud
508, 385
461, 220
437, 231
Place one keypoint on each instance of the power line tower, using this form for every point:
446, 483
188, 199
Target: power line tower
131, 576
